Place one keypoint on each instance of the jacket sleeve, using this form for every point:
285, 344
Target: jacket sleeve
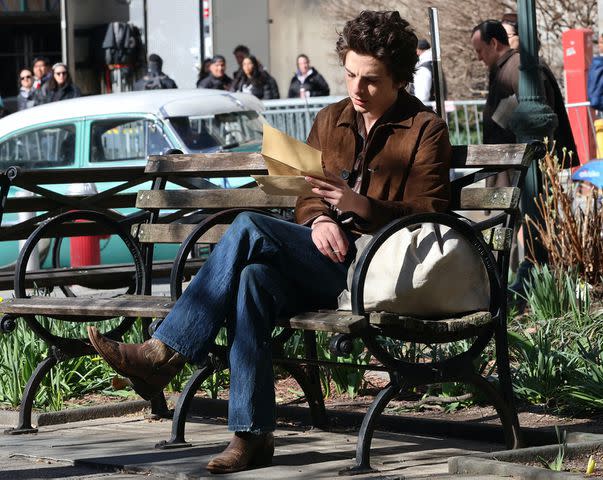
427, 187
321, 87
307, 208
293, 88
273, 92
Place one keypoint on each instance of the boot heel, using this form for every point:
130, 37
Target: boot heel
264, 458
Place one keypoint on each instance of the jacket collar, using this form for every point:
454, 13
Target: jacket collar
505, 57
400, 114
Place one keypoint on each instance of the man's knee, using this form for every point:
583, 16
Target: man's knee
248, 221
256, 275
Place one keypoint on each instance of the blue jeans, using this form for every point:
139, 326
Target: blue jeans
262, 268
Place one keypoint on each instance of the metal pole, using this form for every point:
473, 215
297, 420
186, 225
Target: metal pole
64, 34
600, 17
438, 75
533, 119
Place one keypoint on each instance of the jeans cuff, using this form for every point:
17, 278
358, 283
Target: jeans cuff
254, 430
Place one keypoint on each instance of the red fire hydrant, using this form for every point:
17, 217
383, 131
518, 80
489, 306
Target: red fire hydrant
84, 251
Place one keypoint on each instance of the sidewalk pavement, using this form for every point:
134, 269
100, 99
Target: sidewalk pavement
123, 448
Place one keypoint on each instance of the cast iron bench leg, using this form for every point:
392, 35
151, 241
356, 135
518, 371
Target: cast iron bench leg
365, 435
29, 395
182, 407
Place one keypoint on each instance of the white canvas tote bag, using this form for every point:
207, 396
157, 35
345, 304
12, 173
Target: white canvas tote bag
428, 272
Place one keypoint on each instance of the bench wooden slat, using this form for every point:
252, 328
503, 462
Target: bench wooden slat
218, 198
208, 164
499, 238
78, 307
41, 204
490, 156
332, 321
42, 176
175, 233
244, 164
74, 229
429, 330
493, 198
95, 276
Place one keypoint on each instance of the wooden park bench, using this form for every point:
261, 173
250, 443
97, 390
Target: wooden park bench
491, 240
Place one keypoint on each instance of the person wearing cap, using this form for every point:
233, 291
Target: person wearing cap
217, 78
422, 84
155, 79
59, 87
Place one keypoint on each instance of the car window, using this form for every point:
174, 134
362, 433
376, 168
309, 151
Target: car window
46, 147
223, 129
126, 139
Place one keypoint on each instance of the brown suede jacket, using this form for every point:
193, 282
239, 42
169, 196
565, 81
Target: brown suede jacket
406, 169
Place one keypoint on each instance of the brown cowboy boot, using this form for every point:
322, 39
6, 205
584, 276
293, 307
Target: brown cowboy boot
150, 365
246, 450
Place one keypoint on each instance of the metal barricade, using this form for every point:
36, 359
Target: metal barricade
296, 115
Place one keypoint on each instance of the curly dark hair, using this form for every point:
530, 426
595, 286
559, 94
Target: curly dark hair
385, 36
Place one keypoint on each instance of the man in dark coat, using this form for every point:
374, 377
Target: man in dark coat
217, 78
155, 79
307, 80
491, 43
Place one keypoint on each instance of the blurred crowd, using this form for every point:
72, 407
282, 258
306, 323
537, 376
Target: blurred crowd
44, 83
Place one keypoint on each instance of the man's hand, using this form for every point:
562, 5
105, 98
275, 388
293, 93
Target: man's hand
338, 193
329, 238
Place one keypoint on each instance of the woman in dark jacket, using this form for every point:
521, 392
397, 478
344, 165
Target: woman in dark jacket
25, 99
308, 79
59, 87
255, 80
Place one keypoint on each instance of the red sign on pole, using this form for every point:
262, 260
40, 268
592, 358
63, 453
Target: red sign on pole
577, 56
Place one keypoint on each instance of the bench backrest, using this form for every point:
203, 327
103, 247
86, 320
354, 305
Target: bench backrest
43, 199
468, 193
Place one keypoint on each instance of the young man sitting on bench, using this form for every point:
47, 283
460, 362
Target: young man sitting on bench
385, 155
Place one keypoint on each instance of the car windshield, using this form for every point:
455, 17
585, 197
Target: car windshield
226, 130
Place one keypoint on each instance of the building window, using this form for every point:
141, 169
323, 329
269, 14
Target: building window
30, 6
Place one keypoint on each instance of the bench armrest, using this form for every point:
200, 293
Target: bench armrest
497, 296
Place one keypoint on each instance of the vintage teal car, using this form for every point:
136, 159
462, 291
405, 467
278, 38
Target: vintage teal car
123, 129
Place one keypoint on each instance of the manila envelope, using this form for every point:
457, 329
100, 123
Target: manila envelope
288, 160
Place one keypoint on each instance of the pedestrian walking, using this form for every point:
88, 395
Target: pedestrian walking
307, 81
491, 43
155, 79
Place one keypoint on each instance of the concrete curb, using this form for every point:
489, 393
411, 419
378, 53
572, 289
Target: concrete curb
9, 417
499, 463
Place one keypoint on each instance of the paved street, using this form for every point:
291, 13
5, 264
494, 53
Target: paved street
123, 448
